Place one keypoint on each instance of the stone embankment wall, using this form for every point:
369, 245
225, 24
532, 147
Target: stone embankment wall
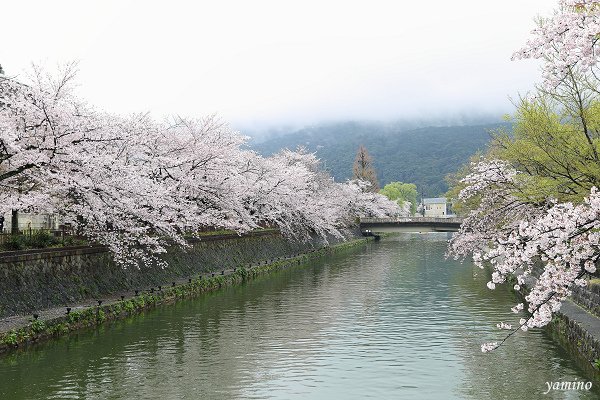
577, 327
576, 336
34, 280
588, 298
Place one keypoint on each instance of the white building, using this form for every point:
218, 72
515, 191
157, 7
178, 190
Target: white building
436, 207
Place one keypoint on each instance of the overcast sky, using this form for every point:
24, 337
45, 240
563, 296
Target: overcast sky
272, 62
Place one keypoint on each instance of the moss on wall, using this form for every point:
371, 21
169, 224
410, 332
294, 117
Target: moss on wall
38, 330
578, 342
31, 281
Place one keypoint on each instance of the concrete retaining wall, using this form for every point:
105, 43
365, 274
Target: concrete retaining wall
34, 280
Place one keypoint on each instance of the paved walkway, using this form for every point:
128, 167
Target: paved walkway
585, 319
575, 313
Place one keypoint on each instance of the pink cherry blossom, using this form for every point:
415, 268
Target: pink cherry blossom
137, 185
549, 249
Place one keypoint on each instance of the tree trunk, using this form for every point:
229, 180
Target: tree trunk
14, 222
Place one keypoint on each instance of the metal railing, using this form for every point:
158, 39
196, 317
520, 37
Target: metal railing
6, 236
412, 220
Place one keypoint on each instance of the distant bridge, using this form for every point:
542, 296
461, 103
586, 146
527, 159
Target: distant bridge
409, 224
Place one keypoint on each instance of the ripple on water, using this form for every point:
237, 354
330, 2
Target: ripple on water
395, 320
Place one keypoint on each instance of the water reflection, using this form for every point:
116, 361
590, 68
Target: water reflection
394, 320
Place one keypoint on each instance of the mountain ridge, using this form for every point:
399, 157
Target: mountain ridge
423, 156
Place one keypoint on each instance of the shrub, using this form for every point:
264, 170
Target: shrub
11, 339
38, 240
38, 326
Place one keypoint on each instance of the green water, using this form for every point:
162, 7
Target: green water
393, 320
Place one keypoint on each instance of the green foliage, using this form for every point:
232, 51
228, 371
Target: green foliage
216, 232
422, 156
13, 242
41, 239
552, 149
100, 316
72, 241
11, 339
243, 273
74, 316
38, 239
59, 329
401, 192
555, 149
38, 326
128, 306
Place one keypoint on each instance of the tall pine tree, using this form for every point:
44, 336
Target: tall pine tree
363, 169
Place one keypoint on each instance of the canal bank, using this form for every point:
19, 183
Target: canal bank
577, 329
576, 326
391, 319
33, 280
210, 265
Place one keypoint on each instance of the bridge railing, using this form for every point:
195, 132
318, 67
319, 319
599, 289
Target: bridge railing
434, 220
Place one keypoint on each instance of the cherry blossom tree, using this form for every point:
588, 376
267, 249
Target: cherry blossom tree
138, 185
514, 237
290, 190
567, 43
535, 209
59, 155
199, 160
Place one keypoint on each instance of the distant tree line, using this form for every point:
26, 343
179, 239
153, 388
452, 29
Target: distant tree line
421, 156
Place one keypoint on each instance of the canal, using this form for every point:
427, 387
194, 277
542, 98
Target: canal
394, 319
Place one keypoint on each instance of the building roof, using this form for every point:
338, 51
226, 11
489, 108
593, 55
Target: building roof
435, 200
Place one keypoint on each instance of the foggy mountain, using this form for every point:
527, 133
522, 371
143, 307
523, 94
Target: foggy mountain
423, 156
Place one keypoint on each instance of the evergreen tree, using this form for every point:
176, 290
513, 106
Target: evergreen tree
363, 169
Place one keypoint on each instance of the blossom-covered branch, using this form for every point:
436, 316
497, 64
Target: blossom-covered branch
138, 185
